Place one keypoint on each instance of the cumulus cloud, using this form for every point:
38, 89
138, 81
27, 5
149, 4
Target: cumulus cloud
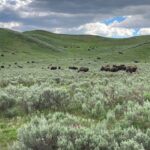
144, 31
14, 4
98, 28
9, 25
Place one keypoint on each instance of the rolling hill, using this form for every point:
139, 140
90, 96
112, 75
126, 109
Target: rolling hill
45, 45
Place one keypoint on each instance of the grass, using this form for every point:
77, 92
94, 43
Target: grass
46, 46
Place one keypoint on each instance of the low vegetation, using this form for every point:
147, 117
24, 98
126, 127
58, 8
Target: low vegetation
75, 101
77, 110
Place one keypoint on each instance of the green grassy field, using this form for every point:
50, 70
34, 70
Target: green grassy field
43, 46
43, 109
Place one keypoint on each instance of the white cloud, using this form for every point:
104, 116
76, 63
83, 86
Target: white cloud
98, 28
30, 14
14, 4
144, 31
9, 25
25, 14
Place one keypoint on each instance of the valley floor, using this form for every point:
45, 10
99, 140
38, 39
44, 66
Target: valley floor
69, 110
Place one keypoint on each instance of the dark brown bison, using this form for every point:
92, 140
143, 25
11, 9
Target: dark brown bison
53, 68
105, 68
20, 66
120, 53
2, 55
121, 67
2, 67
116, 68
73, 68
83, 69
136, 61
98, 57
131, 69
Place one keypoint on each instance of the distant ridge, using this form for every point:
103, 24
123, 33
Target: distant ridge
44, 44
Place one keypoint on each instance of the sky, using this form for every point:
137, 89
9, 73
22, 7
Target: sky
108, 18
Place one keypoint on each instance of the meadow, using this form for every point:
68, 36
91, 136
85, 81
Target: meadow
63, 109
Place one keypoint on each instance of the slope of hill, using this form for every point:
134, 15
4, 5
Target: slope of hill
40, 44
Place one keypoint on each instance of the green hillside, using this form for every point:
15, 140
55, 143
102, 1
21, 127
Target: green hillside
40, 44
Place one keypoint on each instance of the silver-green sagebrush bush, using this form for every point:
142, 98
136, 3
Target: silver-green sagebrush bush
6, 101
66, 132
112, 109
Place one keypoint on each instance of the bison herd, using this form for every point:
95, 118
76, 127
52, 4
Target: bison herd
116, 68
107, 68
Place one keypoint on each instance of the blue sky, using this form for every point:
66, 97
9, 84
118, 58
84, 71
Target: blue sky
117, 18
109, 18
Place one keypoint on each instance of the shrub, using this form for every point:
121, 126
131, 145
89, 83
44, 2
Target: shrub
138, 115
130, 145
55, 98
58, 132
5, 101
66, 132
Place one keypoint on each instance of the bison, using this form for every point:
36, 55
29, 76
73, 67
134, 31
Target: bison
73, 68
136, 61
116, 68
105, 68
53, 68
98, 57
20, 66
131, 69
120, 53
83, 69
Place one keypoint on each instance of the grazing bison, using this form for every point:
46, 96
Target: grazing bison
136, 61
73, 68
83, 69
2, 55
2, 67
98, 57
120, 67
53, 68
120, 53
105, 68
131, 69
20, 66
116, 68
